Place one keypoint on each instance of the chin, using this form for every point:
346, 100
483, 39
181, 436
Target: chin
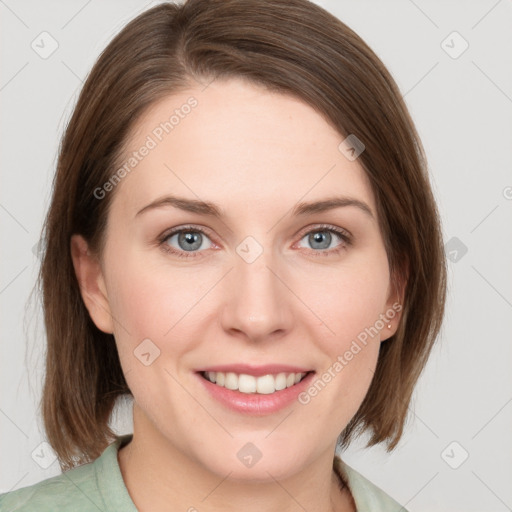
261, 472
259, 461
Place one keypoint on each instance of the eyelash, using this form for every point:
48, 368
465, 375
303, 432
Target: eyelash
344, 235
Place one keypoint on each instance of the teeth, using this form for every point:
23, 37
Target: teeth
246, 384
265, 385
231, 381
281, 381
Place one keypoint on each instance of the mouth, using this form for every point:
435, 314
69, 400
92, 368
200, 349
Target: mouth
251, 384
256, 390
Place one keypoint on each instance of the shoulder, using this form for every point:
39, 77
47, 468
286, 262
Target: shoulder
94, 486
367, 496
68, 491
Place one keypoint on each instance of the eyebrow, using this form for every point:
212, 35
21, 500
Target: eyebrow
212, 210
331, 204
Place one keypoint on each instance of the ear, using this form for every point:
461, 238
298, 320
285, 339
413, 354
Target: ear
92, 284
395, 303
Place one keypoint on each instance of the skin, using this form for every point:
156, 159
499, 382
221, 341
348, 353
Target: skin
255, 154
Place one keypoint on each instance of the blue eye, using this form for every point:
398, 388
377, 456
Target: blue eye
190, 241
321, 238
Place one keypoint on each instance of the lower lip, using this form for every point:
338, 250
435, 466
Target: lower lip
254, 403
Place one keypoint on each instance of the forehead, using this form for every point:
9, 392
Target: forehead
234, 142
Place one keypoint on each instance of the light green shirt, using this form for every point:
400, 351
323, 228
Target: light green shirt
99, 487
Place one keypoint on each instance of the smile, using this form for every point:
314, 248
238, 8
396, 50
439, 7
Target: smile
249, 384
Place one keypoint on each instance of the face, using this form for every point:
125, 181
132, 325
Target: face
253, 283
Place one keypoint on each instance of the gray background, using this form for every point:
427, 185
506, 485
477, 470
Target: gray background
462, 106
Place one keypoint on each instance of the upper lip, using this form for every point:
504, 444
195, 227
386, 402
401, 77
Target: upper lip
255, 370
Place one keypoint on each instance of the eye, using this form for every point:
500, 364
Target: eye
322, 238
188, 239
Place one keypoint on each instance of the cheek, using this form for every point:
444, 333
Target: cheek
352, 346
151, 301
348, 302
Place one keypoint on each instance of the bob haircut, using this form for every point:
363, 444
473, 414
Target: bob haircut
292, 47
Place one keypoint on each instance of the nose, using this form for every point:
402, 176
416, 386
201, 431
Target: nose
259, 304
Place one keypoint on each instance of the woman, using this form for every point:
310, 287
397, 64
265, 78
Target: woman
243, 238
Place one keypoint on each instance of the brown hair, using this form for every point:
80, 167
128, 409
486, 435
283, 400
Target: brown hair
288, 46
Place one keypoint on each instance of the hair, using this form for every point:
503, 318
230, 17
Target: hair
292, 47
